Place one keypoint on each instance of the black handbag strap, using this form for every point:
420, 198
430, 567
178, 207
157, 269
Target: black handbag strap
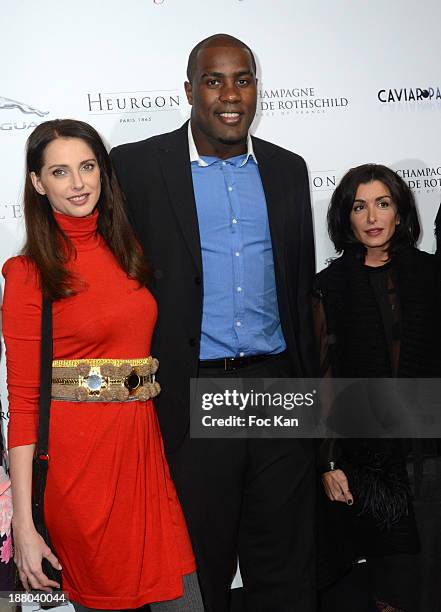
45, 380
41, 459
41, 454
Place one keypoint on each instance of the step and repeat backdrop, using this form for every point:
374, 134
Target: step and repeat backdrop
341, 83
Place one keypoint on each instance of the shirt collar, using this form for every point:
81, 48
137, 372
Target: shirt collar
194, 155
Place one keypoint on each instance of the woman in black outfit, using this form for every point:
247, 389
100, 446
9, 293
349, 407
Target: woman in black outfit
377, 312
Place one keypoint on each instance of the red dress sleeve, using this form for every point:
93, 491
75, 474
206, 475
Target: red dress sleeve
21, 323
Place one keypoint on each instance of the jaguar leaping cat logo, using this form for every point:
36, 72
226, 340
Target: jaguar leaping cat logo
6, 103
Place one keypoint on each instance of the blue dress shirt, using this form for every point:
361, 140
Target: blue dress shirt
240, 311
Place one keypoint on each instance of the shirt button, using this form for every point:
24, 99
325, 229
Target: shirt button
239, 289
237, 253
234, 221
230, 188
238, 323
224, 163
241, 354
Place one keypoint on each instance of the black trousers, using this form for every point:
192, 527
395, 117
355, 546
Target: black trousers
392, 579
254, 498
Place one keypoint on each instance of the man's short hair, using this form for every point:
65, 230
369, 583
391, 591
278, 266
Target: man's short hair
230, 41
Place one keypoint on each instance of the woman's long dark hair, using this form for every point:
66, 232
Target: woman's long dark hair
339, 211
47, 246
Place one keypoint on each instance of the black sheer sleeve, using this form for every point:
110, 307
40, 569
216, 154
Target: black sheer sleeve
329, 451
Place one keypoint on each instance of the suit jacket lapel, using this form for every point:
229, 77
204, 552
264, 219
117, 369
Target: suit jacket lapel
272, 184
176, 167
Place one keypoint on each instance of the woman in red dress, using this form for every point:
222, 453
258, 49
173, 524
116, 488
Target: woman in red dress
111, 509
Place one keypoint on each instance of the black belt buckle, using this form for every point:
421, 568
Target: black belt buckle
233, 363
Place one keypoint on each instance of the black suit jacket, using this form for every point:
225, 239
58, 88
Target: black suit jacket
155, 176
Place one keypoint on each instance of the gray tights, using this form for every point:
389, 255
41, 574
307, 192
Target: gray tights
191, 600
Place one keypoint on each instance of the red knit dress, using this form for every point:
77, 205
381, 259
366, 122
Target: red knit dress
111, 508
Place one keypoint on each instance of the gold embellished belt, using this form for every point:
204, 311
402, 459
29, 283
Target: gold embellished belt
104, 380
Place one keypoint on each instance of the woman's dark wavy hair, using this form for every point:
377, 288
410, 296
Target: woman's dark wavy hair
47, 246
339, 211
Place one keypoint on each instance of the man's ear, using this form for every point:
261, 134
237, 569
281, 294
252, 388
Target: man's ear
188, 92
37, 184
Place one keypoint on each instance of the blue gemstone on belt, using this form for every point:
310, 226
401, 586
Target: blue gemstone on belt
94, 382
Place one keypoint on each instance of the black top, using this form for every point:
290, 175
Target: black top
380, 322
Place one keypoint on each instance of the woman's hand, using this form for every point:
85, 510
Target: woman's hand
30, 549
337, 487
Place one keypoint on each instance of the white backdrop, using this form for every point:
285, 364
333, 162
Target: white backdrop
341, 83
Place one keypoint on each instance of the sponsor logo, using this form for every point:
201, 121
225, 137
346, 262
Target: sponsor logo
17, 125
135, 106
10, 212
22, 106
26, 109
427, 178
324, 180
297, 100
405, 95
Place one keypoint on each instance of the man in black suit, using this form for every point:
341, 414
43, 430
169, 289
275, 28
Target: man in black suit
225, 221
